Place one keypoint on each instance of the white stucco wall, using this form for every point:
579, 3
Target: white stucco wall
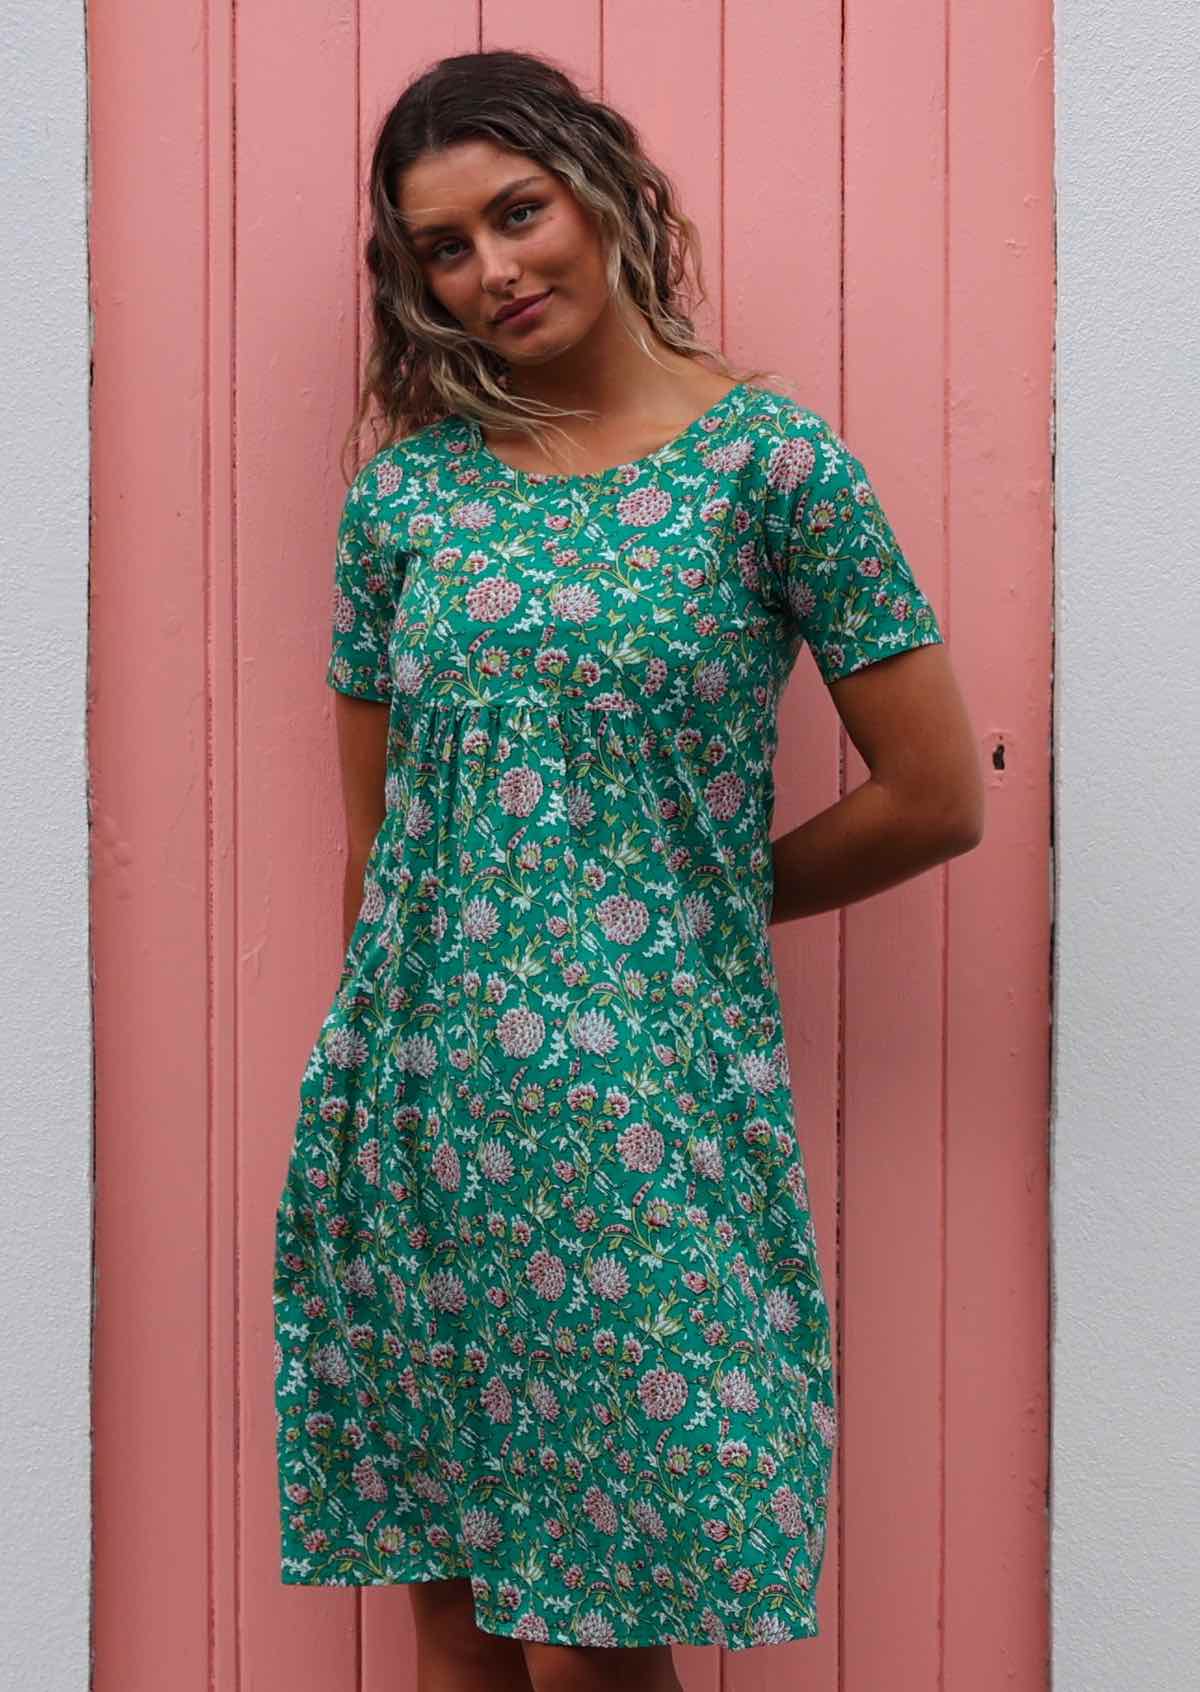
45, 1051
1125, 1501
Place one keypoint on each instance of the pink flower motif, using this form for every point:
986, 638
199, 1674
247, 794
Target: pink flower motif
712, 682
623, 919
791, 463
388, 478
599, 1509
343, 612
644, 506
663, 1393
707, 1161
608, 1278
496, 1401
575, 602
732, 456
783, 1312
481, 1529
519, 791
368, 1161
737, 1391
496, 1163
648, 1520
447, 1170
546, 1274
368, 1482
473, 514
520, 1032
788, 1509
580, 809
655, 674
493, 598
825, 1417
594, 1033
418, 818
760, 1072
347, 1048
724, 795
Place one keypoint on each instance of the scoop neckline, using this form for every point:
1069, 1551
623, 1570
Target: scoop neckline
561, 479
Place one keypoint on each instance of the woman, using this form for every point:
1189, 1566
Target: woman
553, 1344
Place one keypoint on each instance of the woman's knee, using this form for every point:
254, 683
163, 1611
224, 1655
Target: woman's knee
588, 1668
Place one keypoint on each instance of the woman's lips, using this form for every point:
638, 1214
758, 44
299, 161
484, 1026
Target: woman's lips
527, 313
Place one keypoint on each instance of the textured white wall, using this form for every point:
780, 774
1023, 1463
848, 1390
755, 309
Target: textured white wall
1125, 1502
45, 1049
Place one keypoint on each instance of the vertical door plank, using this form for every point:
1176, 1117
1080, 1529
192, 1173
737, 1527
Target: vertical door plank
570, 36
148, 732
216, 329
1001, 327
295, 349
661, 67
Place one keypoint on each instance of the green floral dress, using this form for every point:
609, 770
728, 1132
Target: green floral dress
549, 1314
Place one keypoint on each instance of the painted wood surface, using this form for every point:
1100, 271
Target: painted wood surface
873, 187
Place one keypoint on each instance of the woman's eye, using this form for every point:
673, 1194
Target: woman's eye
440, 250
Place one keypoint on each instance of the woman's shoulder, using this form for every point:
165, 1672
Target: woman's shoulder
800, 441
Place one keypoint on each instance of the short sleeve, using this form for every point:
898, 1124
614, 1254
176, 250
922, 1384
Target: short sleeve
366, 578
847, 586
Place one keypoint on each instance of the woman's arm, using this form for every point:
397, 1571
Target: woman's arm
362, 726
922, 803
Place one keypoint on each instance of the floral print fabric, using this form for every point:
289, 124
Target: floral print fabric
549, 1313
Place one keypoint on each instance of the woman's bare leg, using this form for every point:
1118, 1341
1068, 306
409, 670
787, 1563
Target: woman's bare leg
453, 1655
586, 1668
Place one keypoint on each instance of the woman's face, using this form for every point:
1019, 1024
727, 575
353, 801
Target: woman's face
490, 227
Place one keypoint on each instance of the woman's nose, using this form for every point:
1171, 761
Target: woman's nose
497, 269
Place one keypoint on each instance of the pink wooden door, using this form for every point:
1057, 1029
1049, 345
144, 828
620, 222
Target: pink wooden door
873, 183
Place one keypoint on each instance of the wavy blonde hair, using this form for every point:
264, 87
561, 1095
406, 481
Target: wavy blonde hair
422, 365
